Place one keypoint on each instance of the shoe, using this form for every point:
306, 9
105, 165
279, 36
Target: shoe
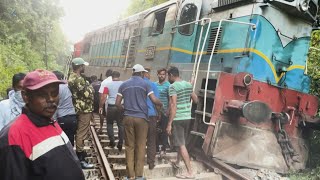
119, 146
112, 144
151, 166
85, 165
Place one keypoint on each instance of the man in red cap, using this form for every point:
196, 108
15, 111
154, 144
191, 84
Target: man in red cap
34, 146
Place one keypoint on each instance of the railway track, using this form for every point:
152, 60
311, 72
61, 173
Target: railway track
110, 163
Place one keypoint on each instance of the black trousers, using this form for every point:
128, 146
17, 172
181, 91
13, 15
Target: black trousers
69, 125
162, 134
113, 114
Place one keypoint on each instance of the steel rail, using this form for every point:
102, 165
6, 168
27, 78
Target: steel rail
105, 169
218, 166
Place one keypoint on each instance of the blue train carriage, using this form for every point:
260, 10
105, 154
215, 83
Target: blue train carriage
143, 38
250, 47
274, 50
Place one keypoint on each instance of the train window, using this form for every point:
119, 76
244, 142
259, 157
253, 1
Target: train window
86, 48
188, 14
159, 21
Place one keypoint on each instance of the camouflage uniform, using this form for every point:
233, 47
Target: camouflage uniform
82, 93
82, 97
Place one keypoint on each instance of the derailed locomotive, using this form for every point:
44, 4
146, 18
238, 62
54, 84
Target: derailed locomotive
248, 60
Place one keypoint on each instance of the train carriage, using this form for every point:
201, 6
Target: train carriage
248, 59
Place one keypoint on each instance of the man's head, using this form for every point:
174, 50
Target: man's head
41, 92
138, 70
162, 75
109, 73
17, 80
94, 78
115, 75
59, 75
78, 65
147, 74
173, 74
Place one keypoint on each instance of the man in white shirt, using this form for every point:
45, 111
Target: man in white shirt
113, 114
103, 96
11, 108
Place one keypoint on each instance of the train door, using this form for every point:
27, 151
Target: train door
184, 40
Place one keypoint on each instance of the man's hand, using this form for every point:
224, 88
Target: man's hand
100, 110
169, 128
168, 112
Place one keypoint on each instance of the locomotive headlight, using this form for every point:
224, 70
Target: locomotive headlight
304, 5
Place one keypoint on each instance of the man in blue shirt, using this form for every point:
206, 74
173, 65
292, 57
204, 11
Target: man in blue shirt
134, 92
153, 118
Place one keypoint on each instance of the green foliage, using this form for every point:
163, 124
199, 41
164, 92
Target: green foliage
25, 27
137, 6
314, 73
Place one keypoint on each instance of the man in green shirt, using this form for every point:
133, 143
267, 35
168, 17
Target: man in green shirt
180, 93
82, 97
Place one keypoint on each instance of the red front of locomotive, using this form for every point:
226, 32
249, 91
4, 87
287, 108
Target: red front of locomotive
255, 124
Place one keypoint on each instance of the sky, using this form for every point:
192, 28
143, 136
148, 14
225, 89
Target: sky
82, 16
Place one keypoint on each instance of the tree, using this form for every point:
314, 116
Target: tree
27, 26
137, 6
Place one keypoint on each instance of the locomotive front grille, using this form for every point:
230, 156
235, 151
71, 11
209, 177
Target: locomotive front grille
212, 38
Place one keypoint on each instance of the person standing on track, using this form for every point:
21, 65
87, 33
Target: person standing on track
180, 93
113, 113
82, 97
163, 88
152, 122
102, 96
134, 92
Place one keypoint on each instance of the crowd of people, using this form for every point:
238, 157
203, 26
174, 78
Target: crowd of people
44, 117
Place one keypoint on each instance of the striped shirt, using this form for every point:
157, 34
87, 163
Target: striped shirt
164, 93
183, 91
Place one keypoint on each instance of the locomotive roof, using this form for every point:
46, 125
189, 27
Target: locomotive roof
131, 18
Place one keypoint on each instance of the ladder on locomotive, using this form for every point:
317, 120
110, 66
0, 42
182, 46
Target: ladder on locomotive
132, 43
203, 110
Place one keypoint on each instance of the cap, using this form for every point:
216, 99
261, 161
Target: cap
138, 68
79, 61
39, 78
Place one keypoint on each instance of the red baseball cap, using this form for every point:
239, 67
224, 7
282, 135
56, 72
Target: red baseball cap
39, 78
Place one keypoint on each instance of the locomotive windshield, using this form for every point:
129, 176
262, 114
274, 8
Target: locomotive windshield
188, 14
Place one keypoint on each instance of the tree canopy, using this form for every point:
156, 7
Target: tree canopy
137, 6
27, 26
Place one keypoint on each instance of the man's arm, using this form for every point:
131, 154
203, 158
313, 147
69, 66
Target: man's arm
103, 98
173, 110
155, 100
194, 98
118, 102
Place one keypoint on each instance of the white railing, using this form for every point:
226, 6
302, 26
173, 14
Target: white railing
196, 64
